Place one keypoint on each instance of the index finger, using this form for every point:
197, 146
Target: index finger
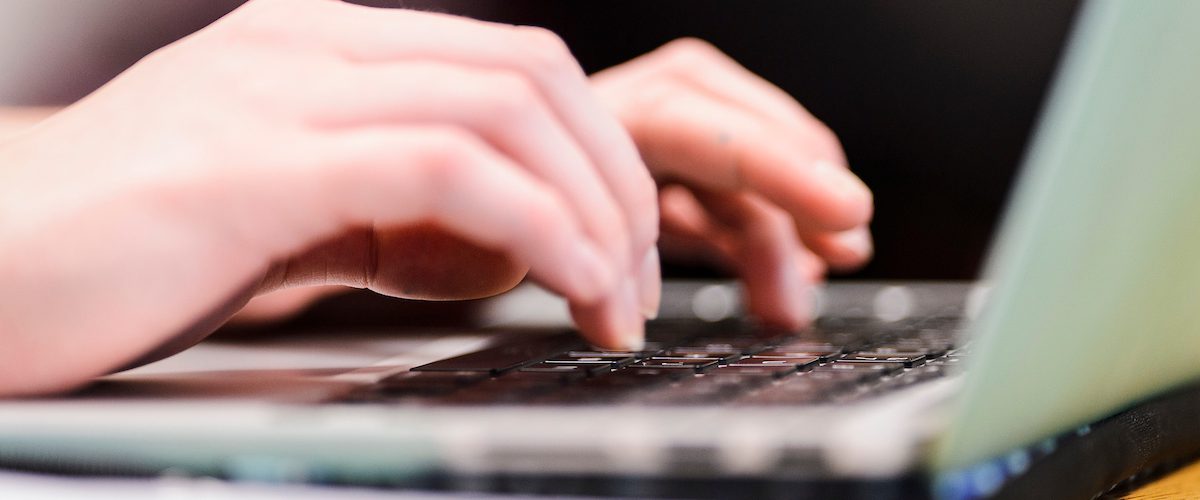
711, 144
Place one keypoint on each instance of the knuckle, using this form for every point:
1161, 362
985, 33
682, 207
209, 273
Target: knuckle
777, 222
770, 228
827, 141
544, 211
444, 151
508, 95
447, 156
647, 104
825, 134
687, 53
545, 50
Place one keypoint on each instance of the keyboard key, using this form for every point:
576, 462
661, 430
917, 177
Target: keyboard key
565, 372
909, 360
675, 363
861, 371
797, 363
649, 349
723, 356
607, 359
744, 371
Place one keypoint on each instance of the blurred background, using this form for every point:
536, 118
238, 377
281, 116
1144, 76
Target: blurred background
933, 100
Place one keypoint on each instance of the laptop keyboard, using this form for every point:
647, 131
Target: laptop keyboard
691, 363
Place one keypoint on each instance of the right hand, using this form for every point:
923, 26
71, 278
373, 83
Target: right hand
306, 142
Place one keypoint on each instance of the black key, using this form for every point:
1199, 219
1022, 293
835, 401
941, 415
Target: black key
565, 372
751, 371
861, 371
506, 357
823, 358
723, 356
897, 351
649, 349
914, 346
592, 359
666, 363
797, 363
909, 360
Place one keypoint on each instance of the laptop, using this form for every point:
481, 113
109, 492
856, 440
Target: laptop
1069, 370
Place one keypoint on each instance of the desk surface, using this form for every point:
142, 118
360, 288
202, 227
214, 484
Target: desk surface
1183, 483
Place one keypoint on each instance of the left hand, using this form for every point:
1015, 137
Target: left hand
744, 172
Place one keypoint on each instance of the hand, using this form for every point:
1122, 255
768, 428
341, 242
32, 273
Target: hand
307, 142
746, 173
749, 179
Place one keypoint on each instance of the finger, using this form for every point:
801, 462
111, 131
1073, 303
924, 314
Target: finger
614, 322
500, 106
811, 266
688, 233
431, 263
368, 35
843, 251
398, 176
700, 65
711, 144
764, 246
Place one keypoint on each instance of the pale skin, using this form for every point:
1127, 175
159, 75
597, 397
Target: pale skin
299, 146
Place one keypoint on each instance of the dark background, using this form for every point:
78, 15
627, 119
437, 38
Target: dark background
933, 100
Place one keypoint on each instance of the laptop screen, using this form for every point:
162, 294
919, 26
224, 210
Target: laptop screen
1097, 270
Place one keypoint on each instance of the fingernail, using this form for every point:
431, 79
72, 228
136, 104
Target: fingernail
593, 276
634, 332
841, 181
650, 284
857, 241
